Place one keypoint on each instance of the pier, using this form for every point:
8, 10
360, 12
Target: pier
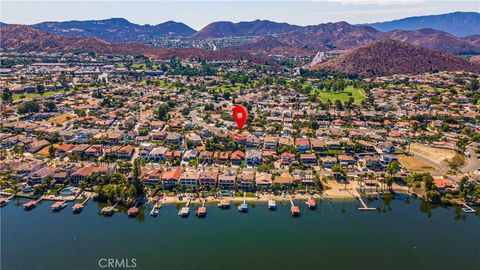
364, 206
311, 203
185, 211
243, 207
468, 209
133, 211
59, 205
109, 210
272, 204
5, 201
78, 207
155, 209
202, 210
295, 210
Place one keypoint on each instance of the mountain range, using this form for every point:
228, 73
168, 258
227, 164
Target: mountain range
456, 23
117, 30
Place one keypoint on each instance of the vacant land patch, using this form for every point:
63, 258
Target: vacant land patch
415, 164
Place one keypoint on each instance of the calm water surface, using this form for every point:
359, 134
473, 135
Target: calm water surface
401, 235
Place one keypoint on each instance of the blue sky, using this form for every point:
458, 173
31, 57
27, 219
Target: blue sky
198, 13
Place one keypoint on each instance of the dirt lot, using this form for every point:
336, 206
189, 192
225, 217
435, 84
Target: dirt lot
415, 164
60, 119
437, 155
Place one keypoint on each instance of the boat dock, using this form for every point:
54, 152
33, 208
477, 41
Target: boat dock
109, 210
185, 211
78, 207
243, 207
364, 206
4, 201
202, 210
272, 204
155, 209
31, 204
295, 210
59, 205
468, 209
224, 204
311, 203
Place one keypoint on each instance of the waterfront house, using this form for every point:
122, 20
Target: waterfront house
328, 162
263, 181
237, 157
309, 159
171, 177
189, 178
226, 181
247, 180
157, 154
208, 178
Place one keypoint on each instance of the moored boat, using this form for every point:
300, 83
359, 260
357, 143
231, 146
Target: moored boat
3, 201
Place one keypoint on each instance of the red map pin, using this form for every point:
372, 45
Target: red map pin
240, 115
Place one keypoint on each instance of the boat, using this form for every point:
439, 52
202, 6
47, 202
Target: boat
243, 207
155, 209
132, 211
295, 210
30, 205
184, 212
201, 211
224, 204
77, 208
272, 204
57, 206
311, 203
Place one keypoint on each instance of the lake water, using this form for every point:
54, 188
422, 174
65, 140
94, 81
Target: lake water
402, 235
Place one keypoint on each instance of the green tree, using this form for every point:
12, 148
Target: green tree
392, 169
162, 111
28, 107
51, 151
7, 95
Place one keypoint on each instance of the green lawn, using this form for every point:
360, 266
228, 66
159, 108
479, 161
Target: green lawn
34, 95
358, 95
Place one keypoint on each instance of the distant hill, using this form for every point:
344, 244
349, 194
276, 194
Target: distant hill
27, 39
243, 29
117, 30
457, 23
387, 57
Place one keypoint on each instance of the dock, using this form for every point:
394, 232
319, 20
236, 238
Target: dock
4, 201
272, 205
364, 206
243, 207
295, 210
57, 206
202, 210
185, 211
78, 207
311, 203
468, 209
109, 210
155, 209
31, 204
224, 204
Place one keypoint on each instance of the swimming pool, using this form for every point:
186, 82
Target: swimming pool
66, 191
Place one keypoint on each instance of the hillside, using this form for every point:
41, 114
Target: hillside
26, 39
387, 57
456, 23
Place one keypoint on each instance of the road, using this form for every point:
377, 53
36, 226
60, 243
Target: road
473, 163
